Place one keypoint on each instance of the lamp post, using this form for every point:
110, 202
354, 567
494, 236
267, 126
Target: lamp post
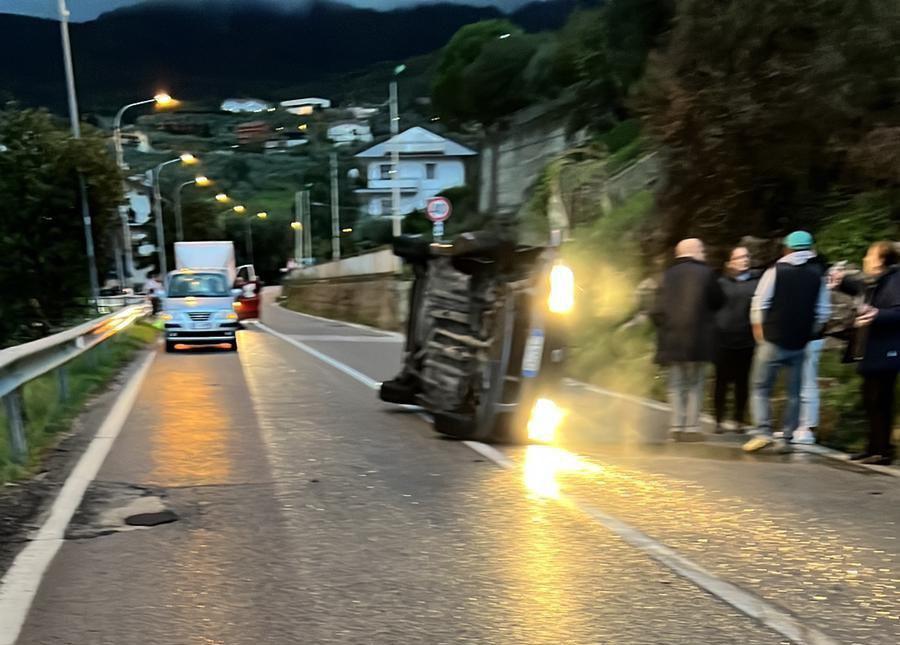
199, 180
76, 134
162, 100
186, 159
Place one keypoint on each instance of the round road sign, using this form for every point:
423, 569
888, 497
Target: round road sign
439, 209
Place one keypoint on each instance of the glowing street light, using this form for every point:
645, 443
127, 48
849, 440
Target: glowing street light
186, 159
199, 180
262, 215
297, 226
222, 198
240, 209
347, 230
202, 180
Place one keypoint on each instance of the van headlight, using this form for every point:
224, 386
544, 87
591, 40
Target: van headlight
227, 315
562, 289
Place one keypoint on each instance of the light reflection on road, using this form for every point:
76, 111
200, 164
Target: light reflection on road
191, 446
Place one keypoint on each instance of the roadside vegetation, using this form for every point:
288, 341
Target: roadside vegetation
48, 417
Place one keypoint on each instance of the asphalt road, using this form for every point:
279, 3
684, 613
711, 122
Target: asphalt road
309, 512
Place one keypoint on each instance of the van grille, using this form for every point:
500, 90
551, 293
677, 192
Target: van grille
199, 316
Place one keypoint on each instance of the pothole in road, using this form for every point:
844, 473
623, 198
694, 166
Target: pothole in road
110, 507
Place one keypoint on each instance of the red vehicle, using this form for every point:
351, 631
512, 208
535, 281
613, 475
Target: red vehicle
246, 305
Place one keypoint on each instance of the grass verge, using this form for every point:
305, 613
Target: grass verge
47, 416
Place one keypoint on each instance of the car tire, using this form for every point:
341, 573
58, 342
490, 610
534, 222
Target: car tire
233, 347
170, 347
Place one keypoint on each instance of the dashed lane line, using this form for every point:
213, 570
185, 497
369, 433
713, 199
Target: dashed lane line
748, 603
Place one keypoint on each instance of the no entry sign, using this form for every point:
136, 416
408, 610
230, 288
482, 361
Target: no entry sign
439, 209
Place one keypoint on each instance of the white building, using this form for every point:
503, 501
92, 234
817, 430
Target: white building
429, 164
305, 107
345, 134
244, 105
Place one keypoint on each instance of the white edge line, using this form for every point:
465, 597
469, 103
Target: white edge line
325, 358
744, 601
374, 330
21, 582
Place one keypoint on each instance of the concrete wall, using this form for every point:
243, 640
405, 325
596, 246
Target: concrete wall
377, 262
514, 157
378, 300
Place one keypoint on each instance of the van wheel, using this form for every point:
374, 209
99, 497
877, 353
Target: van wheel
170, 347
232, 347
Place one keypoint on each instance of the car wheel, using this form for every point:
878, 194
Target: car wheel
170, 347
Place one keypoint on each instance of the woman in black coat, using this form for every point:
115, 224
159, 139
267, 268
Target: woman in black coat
876, 347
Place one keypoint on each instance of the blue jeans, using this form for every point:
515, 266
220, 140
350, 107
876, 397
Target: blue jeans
809, 393
769, 361
686, 381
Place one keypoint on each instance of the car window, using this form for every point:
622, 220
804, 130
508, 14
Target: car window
198, 285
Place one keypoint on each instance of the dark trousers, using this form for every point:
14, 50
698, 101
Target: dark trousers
878, 398
733, 367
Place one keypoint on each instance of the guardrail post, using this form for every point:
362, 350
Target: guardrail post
15, 419
62, 381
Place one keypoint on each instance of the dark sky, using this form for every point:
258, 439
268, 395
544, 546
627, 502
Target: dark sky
89, 9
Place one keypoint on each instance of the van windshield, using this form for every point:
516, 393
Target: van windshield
198, 285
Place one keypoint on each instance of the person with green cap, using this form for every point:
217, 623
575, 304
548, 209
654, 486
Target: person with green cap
790, 305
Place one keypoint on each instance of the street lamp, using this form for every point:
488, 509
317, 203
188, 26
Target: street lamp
262, 215
222, 198
199, 180
240, 209
186, 159
396, 226
162, 100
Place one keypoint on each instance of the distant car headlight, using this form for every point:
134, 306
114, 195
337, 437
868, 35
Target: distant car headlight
562, 289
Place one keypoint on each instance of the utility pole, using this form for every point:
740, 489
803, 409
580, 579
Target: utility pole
76, 133
298, 227
160, 227
395, 162
307, 227
335, 213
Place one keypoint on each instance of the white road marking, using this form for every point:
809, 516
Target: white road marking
312, 338
747, 603
20, 584
325, 358
374, 330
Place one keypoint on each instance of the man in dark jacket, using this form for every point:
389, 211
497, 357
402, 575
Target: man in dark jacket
734, 336
876, 347
789, 308
684, 315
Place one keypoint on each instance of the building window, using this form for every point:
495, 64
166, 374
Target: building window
384, 171
386, 205
430, 170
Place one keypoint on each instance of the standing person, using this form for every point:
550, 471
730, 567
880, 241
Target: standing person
734, 337
877, 347
152, 288
789, 308
809, 390
684, 315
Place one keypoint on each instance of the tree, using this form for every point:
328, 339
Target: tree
450, 87
44, 273
757, 105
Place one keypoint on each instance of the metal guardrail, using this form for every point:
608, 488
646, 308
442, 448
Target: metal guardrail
23, 363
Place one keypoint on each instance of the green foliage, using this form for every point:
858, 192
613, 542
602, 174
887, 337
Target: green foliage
44, 273
847, 233
464, 71
621, 135
605, 256
47, 416
757, 104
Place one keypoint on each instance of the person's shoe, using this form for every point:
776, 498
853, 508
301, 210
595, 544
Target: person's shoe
804, 437
782, 446
758, 442
876, 460
690, 434
778, 434
720, 429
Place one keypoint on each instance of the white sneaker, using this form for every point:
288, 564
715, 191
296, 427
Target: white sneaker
804, 436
